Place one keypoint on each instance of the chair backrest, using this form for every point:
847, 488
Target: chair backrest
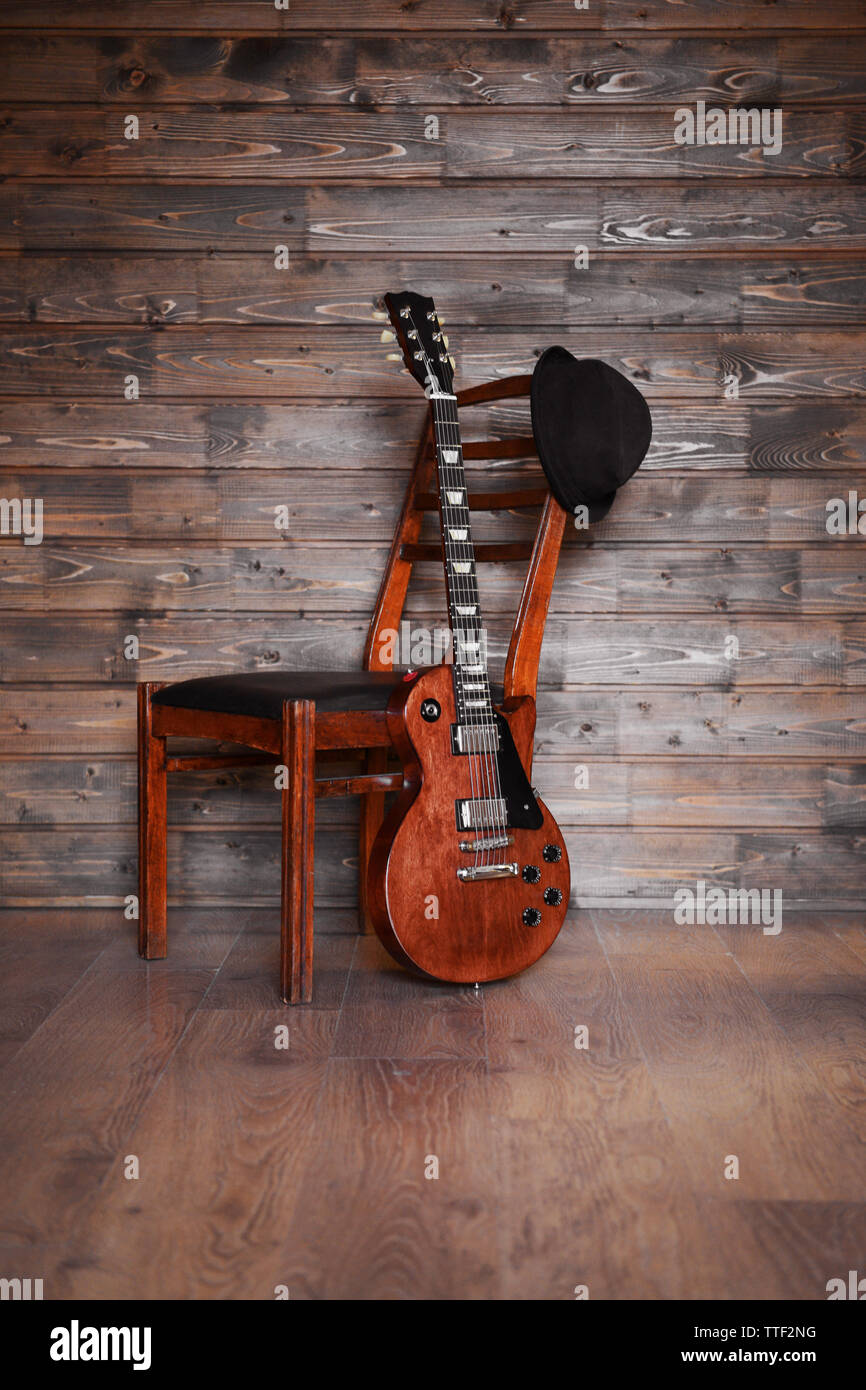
542, 554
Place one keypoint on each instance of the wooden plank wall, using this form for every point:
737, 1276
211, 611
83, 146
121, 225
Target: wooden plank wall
308, 127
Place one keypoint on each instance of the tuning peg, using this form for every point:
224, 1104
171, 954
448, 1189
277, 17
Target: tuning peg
445, 339
393, 357
387, 336
379, 314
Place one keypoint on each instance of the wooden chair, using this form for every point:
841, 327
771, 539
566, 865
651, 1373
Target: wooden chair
294, 717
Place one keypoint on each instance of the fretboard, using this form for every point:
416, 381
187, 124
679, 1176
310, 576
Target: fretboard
471, 687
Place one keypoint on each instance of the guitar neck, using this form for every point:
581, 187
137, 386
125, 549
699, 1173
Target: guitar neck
469, 644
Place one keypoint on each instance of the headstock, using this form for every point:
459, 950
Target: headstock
421, 340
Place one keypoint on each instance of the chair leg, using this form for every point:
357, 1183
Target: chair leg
299, 802
372, 815
152, 792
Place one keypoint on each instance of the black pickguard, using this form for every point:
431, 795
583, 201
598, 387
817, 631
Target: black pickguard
523, 811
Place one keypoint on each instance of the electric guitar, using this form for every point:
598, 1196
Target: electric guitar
468, 878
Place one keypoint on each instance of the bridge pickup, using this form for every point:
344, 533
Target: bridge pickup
488, 842
475, 738
481, 813
488, 871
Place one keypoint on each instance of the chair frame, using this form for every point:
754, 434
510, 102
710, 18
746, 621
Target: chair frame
302, 733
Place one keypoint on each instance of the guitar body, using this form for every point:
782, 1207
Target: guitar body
428, 918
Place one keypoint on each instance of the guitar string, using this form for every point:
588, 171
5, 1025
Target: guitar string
495, 817
461, 597
492, 810
495, 814
456, 586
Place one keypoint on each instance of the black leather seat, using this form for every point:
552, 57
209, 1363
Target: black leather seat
261, 693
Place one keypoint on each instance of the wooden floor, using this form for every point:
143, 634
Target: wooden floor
558, 1166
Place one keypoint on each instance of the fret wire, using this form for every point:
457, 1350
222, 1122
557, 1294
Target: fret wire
461, 585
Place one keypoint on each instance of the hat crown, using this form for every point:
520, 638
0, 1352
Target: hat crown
592, 428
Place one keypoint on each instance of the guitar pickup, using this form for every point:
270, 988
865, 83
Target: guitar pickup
481, 813
474, 738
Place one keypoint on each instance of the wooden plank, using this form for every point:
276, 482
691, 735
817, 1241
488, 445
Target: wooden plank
389, 1013
804, 437
604, 722
387, 16
812, 984
248, 979
43, 955
95, 866
598, 650
206, 1129
760, 1103
486, 217
325, 577
391, 71
259, 363
786, 1249
207, 143
74, 1092
679, 793
640, 144
237, 289
559, 1111
244, 506
368, 1223
701, 723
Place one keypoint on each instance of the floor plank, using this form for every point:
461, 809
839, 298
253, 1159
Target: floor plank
731, 1082
223, 1146
73, 1093
42, 955
390, 1013
288, 1147
369, 1224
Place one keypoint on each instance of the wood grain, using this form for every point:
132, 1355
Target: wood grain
721, 1087
205, 143
260, 363
665, 217
96, 866
330, 16
199, 578
55, 1146
557, 1165
378, 437
307, 128
210, 1137
686, 792
823, 724
236, 289
406, 71
612, 649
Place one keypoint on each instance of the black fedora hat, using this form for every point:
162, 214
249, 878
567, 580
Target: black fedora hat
592, 429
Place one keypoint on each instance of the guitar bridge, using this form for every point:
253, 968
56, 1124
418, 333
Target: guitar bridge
488, 871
